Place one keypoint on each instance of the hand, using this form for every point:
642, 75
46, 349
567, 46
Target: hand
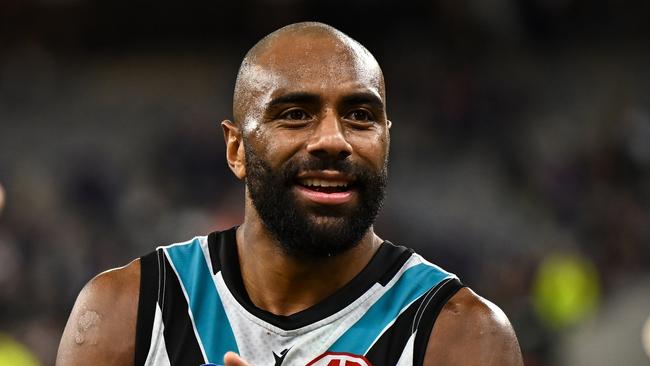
233, 359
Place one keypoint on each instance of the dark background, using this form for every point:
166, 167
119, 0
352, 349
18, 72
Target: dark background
520, 155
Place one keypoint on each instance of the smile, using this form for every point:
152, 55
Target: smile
328, 188
323, 185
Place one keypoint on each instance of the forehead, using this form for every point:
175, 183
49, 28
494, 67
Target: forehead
313, 63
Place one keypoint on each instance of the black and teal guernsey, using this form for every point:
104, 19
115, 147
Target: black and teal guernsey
193, 308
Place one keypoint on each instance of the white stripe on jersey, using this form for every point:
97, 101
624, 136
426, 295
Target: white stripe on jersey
157, 355
406, 359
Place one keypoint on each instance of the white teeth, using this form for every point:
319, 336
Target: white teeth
323, 183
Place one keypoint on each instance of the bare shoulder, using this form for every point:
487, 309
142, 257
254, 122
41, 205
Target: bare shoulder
470, 330
101, 326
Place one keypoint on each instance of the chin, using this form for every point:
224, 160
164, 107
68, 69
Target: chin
328, 223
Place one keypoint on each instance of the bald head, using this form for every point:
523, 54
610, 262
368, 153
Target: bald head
307, 53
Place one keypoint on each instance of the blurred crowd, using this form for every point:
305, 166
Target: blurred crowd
521, 134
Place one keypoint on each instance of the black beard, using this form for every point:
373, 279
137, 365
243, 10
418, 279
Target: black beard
321, 233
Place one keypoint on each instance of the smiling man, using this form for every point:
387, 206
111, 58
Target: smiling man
304, 280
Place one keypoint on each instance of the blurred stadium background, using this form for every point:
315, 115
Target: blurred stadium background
520, 151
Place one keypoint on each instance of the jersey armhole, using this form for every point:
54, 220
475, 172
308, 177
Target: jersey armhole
427, 318
149, 286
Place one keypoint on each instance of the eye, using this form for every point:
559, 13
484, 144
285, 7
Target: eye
360, 115
295, 114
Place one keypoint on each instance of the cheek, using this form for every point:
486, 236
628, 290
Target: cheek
275, 146
372, 148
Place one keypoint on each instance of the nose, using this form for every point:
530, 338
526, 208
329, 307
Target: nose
328, 140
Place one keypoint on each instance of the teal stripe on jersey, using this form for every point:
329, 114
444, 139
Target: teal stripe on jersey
415, 282
209, 316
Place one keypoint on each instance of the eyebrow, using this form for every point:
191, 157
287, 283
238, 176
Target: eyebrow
363, 98
295, 98
311, 98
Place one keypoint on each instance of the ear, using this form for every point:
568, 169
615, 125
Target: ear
389, 123
234, 148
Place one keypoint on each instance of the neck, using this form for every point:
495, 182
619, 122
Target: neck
285, 285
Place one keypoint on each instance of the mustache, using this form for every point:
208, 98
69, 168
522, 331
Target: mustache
292, 167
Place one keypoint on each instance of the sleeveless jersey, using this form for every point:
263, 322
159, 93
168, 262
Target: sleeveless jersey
193, 308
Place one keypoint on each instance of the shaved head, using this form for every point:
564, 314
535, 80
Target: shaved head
310, 138
307, 50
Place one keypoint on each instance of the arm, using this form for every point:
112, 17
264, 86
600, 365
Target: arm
471, 331
101, 327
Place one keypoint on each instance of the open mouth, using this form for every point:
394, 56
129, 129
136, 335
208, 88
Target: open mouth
325, 186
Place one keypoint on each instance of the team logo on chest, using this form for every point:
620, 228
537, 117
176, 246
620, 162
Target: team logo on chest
339, 359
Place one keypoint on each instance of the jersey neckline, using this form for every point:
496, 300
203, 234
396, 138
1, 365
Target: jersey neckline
388, 259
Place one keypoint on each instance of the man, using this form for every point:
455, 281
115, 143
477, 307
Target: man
304, 280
